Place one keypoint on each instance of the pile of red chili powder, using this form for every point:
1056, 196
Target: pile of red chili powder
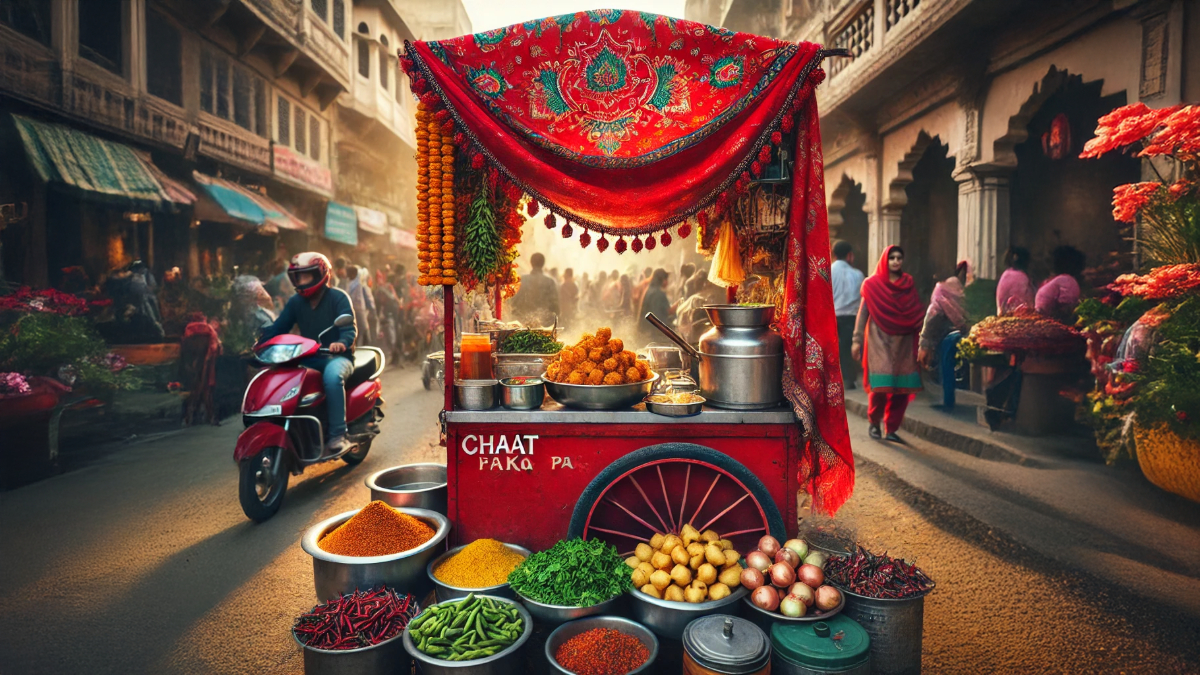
602, 651
376, 530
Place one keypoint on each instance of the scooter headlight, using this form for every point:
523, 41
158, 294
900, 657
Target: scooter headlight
280, 353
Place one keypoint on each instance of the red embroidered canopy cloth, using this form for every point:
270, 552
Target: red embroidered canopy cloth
628, 123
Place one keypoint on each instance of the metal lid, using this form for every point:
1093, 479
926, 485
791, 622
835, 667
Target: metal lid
727, 644
837, 643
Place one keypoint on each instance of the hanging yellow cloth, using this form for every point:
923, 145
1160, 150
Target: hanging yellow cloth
727, 267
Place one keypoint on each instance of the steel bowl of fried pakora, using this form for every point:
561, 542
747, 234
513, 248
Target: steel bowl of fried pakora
598, 373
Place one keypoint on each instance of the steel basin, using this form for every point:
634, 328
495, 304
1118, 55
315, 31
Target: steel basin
447, 592
334, 575
600, 396
523, 396
385, 486
553, 615
385, 658
740, 316
668, 619
507, 662
569, 630
475, 394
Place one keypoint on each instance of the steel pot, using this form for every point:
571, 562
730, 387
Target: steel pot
741, 358
418, 486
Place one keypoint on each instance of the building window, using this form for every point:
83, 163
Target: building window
283, 136
243, 92
28, 17
222, 88
320, 8
364, 58
299, 130
232, 93
339, 18
206, 82
383, 61
314, 137
261, 113
101, 32
164, 58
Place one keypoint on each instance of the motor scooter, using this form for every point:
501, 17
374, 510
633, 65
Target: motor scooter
286, 422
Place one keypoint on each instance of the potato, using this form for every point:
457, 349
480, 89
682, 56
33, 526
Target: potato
710, 537
680, 556
660, 579
643, 552
640, 578
650, 590
707, 573
632, 561
725, 545
695, 548
660, 561
714, 555
731, 557
694, 595
696, 583
696, 561
656, 541
731, 577
673, 593
690, 534
670, 543
647, 568
718, 591
681, 575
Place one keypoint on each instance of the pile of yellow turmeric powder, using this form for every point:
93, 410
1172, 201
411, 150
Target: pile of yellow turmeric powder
482, 563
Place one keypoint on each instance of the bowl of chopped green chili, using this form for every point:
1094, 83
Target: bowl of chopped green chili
475, 635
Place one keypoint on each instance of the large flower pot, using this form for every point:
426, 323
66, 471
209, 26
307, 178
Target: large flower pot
1168, 460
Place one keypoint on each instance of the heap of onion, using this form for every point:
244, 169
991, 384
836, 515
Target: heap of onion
765, 597
782, 575
828, 597
758, 560
769, 545
752, 578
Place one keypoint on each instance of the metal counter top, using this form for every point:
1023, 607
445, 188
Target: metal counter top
555, 413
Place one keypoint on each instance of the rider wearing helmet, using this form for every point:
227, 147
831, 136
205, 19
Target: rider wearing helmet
313, 309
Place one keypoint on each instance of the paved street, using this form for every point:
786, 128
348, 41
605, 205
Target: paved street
142, 562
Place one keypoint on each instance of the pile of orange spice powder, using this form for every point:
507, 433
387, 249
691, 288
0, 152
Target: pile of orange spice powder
376, 530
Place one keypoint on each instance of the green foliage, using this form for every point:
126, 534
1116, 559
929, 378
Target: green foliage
40, 343
1170, 231
1169, 385
481, 245
572, 573
980, 298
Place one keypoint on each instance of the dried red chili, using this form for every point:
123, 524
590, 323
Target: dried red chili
602, 651
876, 576
355, 620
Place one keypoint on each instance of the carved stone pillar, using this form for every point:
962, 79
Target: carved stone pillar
983, 222
885, 231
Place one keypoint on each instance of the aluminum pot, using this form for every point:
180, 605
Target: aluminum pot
418, 486
507, 662
741, 358
385, 658
334, 574
475, 394
569, 630
668, 618
447, 592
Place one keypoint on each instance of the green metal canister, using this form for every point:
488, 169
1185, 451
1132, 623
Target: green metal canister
836, 645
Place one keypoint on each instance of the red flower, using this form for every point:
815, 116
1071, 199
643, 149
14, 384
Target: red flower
756, 168
1130, 198
1168, 281
1125, 125
1181, 188
787, 123
1180, 133
477, 161
776, 138
764, 155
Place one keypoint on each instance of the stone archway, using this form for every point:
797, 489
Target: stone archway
927, 195
848, 220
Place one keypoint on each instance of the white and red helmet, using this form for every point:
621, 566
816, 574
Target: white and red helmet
314, 263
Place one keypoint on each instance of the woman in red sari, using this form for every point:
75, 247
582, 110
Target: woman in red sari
885, 338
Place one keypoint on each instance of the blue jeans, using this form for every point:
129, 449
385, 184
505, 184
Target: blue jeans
334, 371
948, 365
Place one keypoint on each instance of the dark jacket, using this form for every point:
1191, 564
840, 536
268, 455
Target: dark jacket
655, 301
298, 312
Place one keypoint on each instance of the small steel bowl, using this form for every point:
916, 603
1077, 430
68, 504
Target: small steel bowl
569, 630
334, 574
384, 658
418, 486
764, 619
668, 618
475, 394
504, 663
675, 409
447, 592
553, 615
600, 396
528, 396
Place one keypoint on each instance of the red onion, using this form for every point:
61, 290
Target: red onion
765, 597
782, 575
769, 545
811, 575
787, 555
828, 597
752, 578
792, 606
798, 546
804, 592
758, 560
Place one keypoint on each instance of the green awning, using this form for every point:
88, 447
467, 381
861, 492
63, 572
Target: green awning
98, 169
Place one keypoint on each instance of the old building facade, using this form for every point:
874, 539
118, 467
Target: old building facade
956, 128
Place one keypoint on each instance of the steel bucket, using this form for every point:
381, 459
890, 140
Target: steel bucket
895, 627
385, 658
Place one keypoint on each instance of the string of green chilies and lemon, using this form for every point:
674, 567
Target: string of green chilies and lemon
472, 628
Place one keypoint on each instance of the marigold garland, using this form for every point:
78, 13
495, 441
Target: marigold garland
436, 218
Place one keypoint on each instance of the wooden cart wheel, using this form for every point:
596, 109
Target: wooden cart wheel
662, 487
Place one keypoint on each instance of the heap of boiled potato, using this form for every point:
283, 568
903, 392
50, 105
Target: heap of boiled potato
692, 566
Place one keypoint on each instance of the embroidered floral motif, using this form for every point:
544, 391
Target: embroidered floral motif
726, 72
487, 81
490, 39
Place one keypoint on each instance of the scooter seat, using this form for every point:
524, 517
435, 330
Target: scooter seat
367, 360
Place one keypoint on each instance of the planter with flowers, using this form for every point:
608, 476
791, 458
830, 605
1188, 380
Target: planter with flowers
1144, 339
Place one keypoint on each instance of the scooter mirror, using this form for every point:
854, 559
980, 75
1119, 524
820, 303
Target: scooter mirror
344, 320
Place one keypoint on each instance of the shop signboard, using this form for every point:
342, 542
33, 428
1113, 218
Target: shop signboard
341, 224
298, 169
403, 238
370, 220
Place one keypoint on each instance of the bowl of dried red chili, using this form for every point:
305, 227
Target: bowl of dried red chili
350, 550
601, 645
359, 632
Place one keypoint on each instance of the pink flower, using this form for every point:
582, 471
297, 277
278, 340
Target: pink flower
14, 383
1130, 198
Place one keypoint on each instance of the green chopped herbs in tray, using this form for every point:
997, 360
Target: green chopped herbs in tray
530, 342
573, 573
469, 629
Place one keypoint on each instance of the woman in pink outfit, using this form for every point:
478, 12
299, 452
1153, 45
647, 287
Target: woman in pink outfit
1014, 290
1058, 297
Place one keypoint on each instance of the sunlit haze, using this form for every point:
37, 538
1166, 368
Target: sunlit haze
489, 14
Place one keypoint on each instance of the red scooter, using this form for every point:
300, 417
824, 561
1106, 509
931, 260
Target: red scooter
284, 413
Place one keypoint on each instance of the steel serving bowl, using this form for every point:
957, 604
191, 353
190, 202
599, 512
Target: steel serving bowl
569, 630
447, 592
475, 394
521, 365
740, 316
764, 619
668, 618
675, 409
335, 574
385, 658
523, 396
553, 615
506, 662
600, 396
418, 486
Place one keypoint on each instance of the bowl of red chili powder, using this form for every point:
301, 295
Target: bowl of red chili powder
601, 645
375, 546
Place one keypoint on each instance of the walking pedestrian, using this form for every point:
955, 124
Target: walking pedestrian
885, 338
847, 294
655, 301
1014, 290
568, 298
536, 303
364, 303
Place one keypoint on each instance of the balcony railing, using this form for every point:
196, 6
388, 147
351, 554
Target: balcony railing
897, 10
857, 37
871, 26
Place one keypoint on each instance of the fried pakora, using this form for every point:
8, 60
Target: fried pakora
575, 377
610, 365
614, 378
596, 377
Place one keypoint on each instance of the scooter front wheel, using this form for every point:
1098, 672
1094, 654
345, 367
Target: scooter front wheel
262, 482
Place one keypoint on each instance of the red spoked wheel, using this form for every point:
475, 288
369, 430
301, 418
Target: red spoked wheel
661, 488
